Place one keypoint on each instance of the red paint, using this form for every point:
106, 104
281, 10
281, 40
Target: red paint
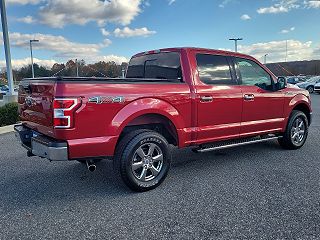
96, 127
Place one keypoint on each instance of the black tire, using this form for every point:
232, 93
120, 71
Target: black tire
310, 89
287, 141
150, 169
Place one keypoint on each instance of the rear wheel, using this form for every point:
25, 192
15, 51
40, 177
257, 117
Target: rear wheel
296, 132
310, 89
143, 160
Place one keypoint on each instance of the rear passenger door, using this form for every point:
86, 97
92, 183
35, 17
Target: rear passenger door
218, 99
262, 105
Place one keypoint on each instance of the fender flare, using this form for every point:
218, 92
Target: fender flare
141, 107
294, 102
299, 99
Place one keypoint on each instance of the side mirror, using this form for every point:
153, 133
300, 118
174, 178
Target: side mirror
281, 84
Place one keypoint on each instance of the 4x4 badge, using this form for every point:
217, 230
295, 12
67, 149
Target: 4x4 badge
104, 99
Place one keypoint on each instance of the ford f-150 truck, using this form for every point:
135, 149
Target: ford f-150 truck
204, 98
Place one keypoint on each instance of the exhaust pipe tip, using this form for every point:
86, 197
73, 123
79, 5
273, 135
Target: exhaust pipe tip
91, 166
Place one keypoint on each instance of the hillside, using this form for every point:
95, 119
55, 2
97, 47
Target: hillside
295, 68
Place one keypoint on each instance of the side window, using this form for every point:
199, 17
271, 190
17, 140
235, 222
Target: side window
214, 69
254, 75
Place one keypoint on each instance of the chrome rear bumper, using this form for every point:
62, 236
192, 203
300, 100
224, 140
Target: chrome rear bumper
40, 145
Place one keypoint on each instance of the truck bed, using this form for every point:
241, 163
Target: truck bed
93, 120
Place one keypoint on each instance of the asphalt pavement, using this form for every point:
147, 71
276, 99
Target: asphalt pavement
252, 192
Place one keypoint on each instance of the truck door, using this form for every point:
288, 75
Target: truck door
262, 106
218, 99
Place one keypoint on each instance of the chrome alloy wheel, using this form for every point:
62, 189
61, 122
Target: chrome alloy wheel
147, 162
298, 131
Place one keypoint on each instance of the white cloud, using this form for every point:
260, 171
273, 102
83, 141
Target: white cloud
283, 6
28, 19
61, 46
24, 2
106, 43
312, 4
19, 63
128, 32
171, 1
276, 50
104, 32
245, 17
224, 3
285, 31
58, 13
111, 58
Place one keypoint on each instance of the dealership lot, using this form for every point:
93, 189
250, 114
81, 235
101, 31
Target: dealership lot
258, 191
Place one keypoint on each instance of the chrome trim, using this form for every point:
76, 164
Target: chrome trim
41, 145
206, 98
106, 99
248, 97
235, 144
51, 153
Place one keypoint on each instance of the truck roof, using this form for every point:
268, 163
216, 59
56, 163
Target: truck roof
178, 49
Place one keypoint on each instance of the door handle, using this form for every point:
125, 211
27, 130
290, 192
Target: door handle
206, 98
248, 97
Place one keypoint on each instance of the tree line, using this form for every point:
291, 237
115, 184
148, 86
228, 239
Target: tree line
113, 70
69, 69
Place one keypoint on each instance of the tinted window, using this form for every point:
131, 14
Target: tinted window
213, 69
160, 66
253, 75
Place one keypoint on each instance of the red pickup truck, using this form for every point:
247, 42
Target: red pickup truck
197, 97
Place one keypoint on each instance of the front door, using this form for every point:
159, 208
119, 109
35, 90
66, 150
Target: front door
219, 99
262, 106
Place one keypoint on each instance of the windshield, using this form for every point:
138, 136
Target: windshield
164, 65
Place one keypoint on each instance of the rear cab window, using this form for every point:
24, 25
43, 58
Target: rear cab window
214, 69
162, 65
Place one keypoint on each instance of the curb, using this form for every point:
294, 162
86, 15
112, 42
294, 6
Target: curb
6, 129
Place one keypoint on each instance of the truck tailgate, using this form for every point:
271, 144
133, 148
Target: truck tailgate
35, 104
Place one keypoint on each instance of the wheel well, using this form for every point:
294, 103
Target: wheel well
304, 108
155, 122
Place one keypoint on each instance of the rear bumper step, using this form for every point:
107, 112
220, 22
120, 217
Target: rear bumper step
41, 145
235, 143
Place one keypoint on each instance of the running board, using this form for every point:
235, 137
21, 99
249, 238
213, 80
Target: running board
234, 143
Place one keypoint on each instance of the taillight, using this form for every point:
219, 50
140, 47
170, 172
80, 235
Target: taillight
63, 110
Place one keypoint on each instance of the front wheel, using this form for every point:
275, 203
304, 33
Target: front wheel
296, 132
143, 160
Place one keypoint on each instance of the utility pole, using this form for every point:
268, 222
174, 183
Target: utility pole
236, 43
6, 46
32, 67
77, 67
286, 50
265, 58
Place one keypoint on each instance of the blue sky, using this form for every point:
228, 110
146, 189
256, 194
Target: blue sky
96, 30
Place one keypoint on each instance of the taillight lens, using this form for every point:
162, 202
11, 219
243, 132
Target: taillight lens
63, 103
64, 109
